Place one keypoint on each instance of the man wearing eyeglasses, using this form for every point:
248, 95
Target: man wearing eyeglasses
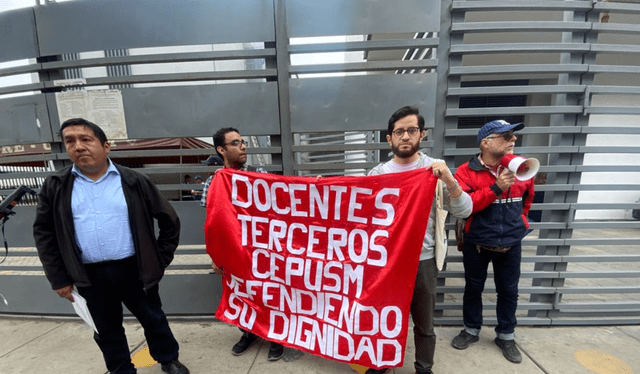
233, 150
493, 233
404, 133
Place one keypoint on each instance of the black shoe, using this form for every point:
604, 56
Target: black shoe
275, 352
246, 341
424, 372
509, 350
174, 367
464, 340
376, 371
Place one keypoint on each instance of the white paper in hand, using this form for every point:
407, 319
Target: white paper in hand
80, 306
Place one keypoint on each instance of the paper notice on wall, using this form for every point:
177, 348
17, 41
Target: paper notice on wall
102, 107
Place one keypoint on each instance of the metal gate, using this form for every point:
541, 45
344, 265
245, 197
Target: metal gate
314, 83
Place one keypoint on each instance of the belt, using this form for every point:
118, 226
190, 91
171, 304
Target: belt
480, 247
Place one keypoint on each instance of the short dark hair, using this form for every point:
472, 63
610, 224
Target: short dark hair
218, 138
97, 131
403, 112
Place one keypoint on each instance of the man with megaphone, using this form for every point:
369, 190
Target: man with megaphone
501, 188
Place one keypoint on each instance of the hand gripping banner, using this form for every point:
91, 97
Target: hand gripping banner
325, 265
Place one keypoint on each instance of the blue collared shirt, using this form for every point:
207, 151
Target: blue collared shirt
101, 217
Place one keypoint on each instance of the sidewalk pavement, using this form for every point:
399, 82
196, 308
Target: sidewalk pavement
35, 346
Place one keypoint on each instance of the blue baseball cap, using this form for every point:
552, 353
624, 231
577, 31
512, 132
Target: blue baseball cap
496, 127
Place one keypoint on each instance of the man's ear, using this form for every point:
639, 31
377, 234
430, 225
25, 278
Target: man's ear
220, 149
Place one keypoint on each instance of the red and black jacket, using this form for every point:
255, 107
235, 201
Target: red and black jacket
499, 218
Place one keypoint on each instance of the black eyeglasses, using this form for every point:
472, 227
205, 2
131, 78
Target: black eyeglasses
399, 133
236, 143
505, 135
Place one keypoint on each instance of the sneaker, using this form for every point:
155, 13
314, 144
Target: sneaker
464, 340
509, 350
376, 371
174, 367
276, 351
246, 341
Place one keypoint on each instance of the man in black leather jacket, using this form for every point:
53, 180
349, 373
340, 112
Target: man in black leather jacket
94, 229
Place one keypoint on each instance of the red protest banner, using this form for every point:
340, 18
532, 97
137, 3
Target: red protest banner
324, 265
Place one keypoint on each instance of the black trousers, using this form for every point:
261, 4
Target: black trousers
112, 284
423, 305
506, 275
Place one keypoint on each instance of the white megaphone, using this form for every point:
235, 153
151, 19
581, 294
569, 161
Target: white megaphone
523, 168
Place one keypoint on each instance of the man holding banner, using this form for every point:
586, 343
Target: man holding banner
315, 263
404, 133
232, 149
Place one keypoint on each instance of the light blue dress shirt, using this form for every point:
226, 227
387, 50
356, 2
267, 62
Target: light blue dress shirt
101, 217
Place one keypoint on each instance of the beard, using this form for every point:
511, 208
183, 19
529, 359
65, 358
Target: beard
405, 153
